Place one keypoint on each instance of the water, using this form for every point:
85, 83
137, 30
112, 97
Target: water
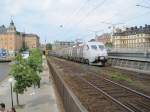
4, 69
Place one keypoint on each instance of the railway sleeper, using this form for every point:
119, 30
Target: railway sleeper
144, 106
134, 107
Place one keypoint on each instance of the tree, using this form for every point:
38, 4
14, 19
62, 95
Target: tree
25, 72
22, 74
35, 62
49, 46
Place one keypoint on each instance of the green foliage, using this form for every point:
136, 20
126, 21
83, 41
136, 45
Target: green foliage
35, 60
49, 46
120, 77
26, 71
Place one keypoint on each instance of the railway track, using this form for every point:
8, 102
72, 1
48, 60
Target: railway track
94, 100
100, 94
129, 99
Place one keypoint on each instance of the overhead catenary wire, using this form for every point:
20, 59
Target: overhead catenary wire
76, 12
92, 10
88, 13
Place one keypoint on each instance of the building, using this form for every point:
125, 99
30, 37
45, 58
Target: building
62, 44
133, 37
12, 40
104, 38
31, 40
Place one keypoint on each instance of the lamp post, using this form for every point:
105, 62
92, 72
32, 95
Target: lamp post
10, 81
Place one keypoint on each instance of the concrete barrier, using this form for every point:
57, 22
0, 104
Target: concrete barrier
131, 63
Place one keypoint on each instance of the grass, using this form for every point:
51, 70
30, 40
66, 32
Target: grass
119, 77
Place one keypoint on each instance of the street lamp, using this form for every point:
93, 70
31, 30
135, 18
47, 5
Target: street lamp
10, 81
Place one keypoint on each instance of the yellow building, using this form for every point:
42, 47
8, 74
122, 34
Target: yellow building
12, 40
132, 37
31, 40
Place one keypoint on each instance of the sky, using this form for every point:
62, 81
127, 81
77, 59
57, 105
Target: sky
68, 20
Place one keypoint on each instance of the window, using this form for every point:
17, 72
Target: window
94, 47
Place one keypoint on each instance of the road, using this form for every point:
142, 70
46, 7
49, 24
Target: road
4, 69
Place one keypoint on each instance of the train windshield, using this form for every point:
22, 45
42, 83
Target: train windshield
94, 47
101, 47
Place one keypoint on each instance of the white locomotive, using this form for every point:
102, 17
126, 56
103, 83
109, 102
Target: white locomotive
93, 53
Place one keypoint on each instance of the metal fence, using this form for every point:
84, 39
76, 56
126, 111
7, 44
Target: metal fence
70, 101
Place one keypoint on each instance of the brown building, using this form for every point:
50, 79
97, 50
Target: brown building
31, 40
11, 40
104, 38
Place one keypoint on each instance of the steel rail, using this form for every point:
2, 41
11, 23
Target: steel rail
129, 89
125, 87
110, 97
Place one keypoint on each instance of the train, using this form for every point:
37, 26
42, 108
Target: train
92, 53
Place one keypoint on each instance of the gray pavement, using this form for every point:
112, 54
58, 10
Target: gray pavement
34, 99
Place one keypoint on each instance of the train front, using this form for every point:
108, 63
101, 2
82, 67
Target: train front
98, 53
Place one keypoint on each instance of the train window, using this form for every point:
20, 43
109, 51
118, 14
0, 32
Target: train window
101, 47
94, 47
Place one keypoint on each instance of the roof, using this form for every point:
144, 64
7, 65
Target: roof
134, 30
31, 35
3, 29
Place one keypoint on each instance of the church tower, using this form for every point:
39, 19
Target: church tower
11, 28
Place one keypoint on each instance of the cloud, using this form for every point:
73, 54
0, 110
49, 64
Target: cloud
77, 16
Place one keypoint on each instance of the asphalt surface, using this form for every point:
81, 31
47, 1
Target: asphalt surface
4, 69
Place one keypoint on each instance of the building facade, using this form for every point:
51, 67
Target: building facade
133, 37
104, 38
12, 40
62, 44
31, 40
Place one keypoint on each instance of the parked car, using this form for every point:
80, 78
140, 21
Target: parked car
3, 53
